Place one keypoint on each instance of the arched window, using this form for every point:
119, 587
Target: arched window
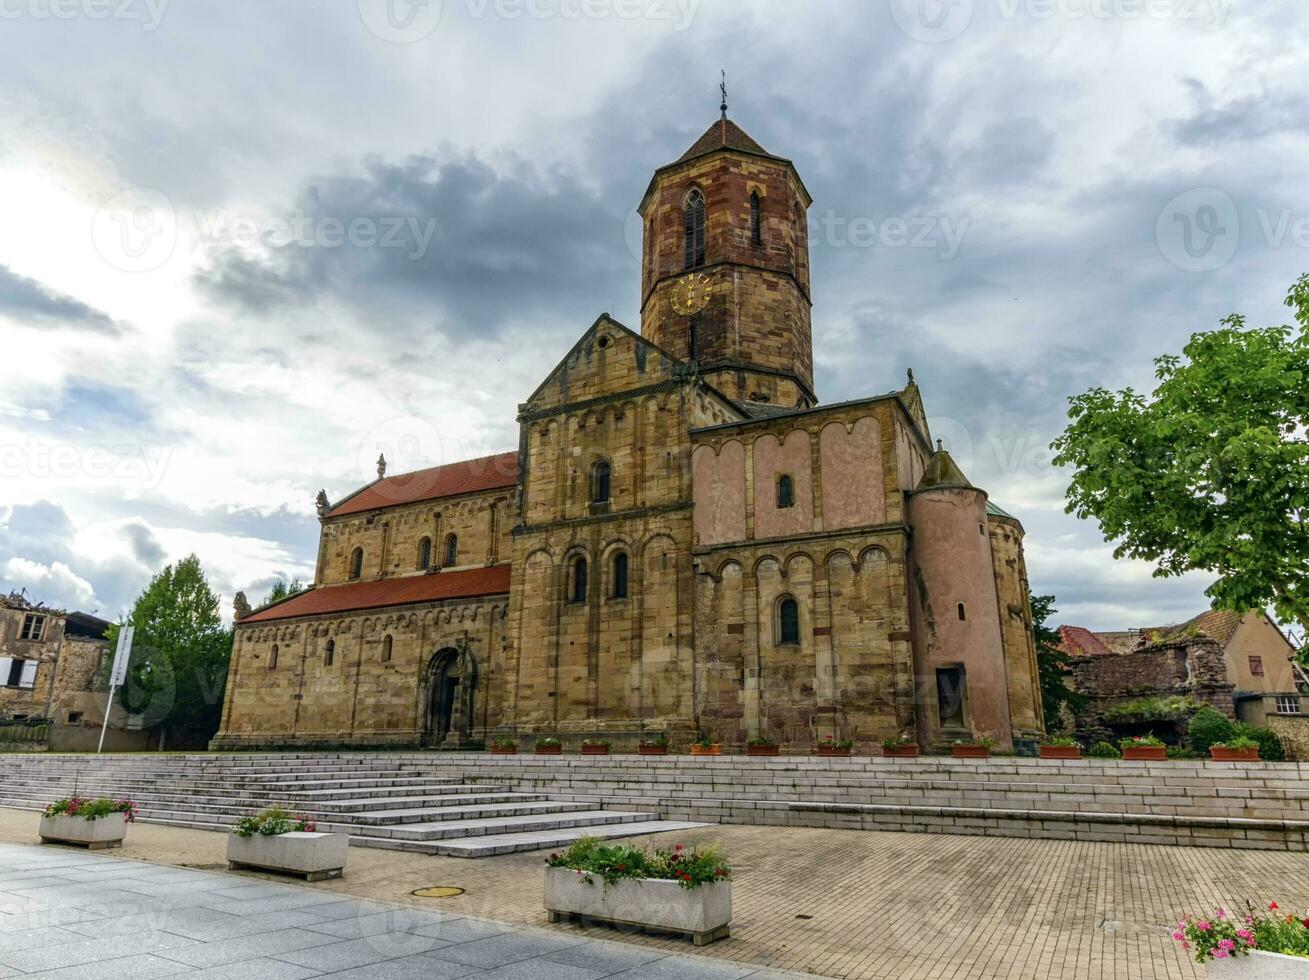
357, 563
451, 550
788, 621
695, 235
756, 226
425, 553
329, 655
272, 658
601, 473
619, 590
386, 648
785, 492
579, 580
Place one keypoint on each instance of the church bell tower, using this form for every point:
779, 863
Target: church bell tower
725, 268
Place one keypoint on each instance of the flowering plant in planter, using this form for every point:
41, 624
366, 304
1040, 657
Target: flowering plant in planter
705, 745
972, 748
831, 745
76, 806
762, 745
590, 856
653, 744
273, 822
595, 746
549, 746
1061, 747
1140, 741
504, 746
900, 745
1229, 934
1234, 749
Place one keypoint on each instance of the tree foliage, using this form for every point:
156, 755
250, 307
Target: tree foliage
1211, 472
282, 590
180, 654
1052, 664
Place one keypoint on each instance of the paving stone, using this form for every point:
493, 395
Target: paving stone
391, 920
86, 951
142, 967
410, 968
506, 949
353, 953
246, 947
260, 969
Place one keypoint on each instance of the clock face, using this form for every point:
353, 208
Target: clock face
691, 294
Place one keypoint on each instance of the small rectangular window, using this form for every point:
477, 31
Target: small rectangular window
33, 627
950, 696
74, 717
1257, 666
1288, 704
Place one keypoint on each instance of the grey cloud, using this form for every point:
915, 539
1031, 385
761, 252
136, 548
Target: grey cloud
29, 301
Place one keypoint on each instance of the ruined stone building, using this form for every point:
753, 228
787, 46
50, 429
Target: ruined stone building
49, 661
685, 539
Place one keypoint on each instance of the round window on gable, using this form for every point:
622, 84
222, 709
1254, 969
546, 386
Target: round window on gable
603, 342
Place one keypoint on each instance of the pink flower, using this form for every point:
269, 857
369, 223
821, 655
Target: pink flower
1179, 935
1221, 954
1226, 944
1222, 914
1186, 945
1245, 934
1203, 926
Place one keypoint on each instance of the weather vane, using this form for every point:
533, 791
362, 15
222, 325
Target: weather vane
722, 87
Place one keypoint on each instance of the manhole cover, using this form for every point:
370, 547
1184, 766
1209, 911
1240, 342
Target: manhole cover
438, 891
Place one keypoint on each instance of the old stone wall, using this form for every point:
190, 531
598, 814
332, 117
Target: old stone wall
1019, 643
18, 700
1293, 730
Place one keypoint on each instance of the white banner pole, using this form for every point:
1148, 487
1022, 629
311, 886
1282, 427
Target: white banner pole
117, 675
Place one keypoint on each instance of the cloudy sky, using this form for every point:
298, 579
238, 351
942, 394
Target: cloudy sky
244, 244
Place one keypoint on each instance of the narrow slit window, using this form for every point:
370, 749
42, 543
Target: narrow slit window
357, 563
272, 658
451, 550
425, 553
386, 648
695, 230
788, 621
756, 223
963, 613
785, 493
329, 655
579, 580
620, 575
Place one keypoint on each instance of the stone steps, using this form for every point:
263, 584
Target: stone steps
377, 803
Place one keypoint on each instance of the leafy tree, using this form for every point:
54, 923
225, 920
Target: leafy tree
1052, 664
180, 654
1211, 472
281, 590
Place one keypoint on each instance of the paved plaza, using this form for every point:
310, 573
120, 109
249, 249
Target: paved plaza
836, 903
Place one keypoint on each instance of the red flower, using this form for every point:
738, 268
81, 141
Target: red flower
677, 847
1305, 923
1272, 905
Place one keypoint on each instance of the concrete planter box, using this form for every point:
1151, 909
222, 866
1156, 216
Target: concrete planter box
1233, 755
1060, 752
1259, 966
970, 751
92, 834
1146, 753
316, 856
703, 913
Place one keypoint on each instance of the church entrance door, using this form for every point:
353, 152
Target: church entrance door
451, 685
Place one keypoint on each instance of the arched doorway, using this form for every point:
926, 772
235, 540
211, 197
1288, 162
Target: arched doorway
451, 687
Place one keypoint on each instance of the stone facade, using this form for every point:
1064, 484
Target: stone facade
50, 661
683, 542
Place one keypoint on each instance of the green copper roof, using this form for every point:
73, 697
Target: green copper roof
995, 510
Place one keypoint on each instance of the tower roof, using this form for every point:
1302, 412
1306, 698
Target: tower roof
723, 135
942, 471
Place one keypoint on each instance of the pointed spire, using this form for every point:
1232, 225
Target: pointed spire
942, 471
911, 376
381, 466
722, 87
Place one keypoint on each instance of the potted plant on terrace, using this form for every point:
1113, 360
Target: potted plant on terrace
1239, 749
1257, 944
705, 745
1061, 748
504, 746
549, 746
900, 747
760, 745
277, 840
595, 746
674, 890
92, 823
976, 748
830, 745
653, 744
1143, 748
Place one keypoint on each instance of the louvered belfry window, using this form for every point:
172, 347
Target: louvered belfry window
695, 232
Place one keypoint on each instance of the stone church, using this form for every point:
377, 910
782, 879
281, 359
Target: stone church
685, 540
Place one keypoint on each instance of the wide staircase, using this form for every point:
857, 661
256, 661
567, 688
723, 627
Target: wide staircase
377, 801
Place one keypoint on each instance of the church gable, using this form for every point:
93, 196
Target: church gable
608, 359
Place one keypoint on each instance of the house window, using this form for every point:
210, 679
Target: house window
425, 553
785, 493
17, 673
33, 626
74, 717
788, 621
386, 649
579, 580
1288, 704
963, 613
756, 226
950, 696
357, 563
601, 473
695, 230
329, 656
272, 658
1257, 666
451, 550
620, 575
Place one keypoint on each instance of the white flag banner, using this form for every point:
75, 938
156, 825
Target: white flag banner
121, 656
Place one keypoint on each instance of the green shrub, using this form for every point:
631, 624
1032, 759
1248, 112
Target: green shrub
1062, 741
1207, 727
1104, 750
1151, 709
592, 856
1270, 746
1181, 752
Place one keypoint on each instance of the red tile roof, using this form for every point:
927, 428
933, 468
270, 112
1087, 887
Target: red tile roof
467, 476
723, 135
389, 592
1078, 641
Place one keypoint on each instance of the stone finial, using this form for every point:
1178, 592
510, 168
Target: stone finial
321, 503
911, 375
381, 466
240, 607
940, 446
